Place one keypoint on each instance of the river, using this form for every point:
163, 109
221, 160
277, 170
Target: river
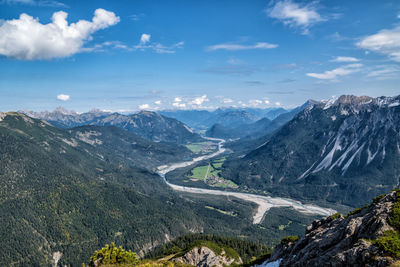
264, 203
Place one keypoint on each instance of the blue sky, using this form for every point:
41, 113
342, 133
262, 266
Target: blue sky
130, 55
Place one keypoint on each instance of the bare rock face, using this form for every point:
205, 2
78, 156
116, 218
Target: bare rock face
341, 241
205, 257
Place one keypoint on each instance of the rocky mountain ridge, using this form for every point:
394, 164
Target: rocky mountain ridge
357, 239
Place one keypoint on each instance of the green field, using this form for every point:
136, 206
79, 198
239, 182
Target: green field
203, 147
210, 174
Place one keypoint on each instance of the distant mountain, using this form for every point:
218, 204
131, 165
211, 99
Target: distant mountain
258, 128
344, 151
227, 117
147, 124
130, 147
368, 236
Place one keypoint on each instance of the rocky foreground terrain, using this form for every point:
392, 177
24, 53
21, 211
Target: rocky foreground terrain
365, 237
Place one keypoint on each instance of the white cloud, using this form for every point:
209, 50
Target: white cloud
199, 100
295, 15
277, 103
341, 71
266, 101
385, 72
236, 47
227, 100
178, 99
386, 42
48, 3
145, 38
345, 59
144, 106
63, 97
255, 102
158, 102
157, 47
179, 105
27, 39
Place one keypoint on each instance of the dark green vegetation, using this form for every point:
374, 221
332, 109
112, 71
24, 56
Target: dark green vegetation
234, 247
60, 194
390, 241
130, 148
340, 153
110, 254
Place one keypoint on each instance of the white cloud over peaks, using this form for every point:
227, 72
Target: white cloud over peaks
178, 99
255, 102
199, 100
266, 101
179, 105
295, 15
345, 59
28, 39
158, 102
236, 47
144, 106
386, 42
63, 97
227, 100
341, 71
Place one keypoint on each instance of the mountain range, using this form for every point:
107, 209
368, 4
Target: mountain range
202, 120
147, 124
344, 151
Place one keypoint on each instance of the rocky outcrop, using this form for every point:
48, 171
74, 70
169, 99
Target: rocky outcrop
205, 257
342, 241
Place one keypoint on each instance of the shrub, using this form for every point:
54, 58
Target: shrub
110, 254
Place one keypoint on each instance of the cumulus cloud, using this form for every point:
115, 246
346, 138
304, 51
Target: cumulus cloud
266, 101
145, 38
295, 15
63, 97
28, 39
177, 99
341, 71
158, 102
236, 47
144, 106
277, 103
385, 42
199, 100
345, 59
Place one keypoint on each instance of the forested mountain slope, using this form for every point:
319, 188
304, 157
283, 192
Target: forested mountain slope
62, 198
129, 147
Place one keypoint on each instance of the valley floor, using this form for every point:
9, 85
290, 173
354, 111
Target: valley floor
264, 203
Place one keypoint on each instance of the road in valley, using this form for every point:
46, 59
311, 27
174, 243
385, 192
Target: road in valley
264, 202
